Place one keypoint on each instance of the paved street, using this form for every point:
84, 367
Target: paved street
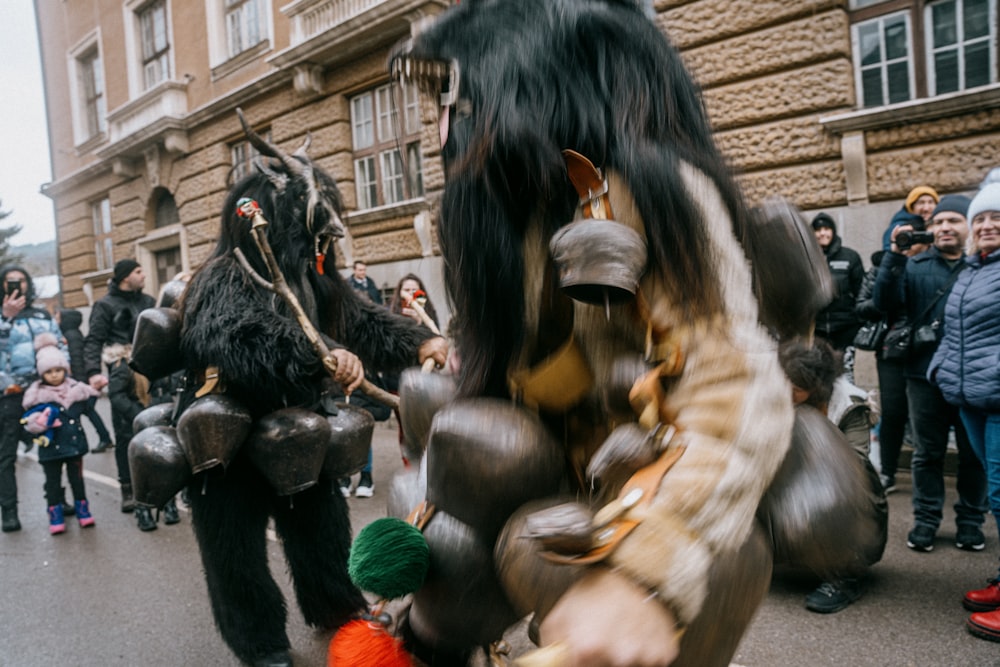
114, 596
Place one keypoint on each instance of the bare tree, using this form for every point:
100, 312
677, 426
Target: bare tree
6, 256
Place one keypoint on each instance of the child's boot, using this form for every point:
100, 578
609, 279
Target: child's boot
57, 524
83, 513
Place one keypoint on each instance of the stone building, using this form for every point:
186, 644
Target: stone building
839, 105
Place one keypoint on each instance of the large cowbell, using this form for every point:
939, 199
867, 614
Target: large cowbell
158, 466
288, 447
350, 438
156, 344
599, 261
211, 431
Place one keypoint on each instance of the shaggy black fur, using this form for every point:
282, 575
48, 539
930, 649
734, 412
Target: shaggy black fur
266, 362
537, 77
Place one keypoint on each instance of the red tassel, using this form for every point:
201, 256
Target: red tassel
320, 258
362, 643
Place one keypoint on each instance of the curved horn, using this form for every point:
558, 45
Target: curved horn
267, 148
302, 150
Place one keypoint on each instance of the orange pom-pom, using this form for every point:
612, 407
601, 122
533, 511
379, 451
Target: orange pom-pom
362, 643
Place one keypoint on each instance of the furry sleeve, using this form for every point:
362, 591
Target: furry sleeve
732, 407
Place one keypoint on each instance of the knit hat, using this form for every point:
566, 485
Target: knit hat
48, 355
952, 204
123, 268
824, 220
988, 199
919, 191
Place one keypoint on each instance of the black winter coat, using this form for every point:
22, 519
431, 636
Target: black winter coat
838, 319
112, 321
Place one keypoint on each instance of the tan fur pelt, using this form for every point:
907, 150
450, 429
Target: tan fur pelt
115, 352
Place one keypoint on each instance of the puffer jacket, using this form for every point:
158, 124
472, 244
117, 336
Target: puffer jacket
966, 365
112, 322
17, 346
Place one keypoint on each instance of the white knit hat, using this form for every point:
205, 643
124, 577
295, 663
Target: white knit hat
47, 355
988, 199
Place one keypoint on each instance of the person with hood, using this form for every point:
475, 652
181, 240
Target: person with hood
920, 203
70, 320
20, 323
838, 323
109, 340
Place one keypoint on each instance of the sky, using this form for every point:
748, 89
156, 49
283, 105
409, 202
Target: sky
24, 141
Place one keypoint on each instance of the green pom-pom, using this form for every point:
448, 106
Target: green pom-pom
389, 558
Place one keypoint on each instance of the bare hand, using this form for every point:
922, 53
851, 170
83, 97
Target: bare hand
350, 371
434, 348
642, 634
98, 382
12, 305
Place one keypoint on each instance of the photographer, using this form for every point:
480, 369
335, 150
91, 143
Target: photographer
916, 284
20, 323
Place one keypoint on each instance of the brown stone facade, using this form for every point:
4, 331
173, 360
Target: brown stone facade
778, 80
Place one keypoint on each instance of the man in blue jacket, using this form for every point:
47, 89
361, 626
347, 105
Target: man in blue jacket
916, 284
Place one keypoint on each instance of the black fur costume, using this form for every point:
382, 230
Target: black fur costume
266, 362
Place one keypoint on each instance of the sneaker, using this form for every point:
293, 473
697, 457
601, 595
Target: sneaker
170, 514
144, 518
984, 599
970, 538
888, 483
83, 513
102, 447
57, 524
345, 486
833, 596
366, 487
921, 538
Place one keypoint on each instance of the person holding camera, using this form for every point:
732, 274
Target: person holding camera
917, 284
20, 323
965, 369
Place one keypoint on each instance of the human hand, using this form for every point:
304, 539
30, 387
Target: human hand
12, 305
350, 371
433, 348
98, 382
914, 249
642, 633
412, 314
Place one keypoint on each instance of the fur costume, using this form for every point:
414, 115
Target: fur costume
520, 83
265, 362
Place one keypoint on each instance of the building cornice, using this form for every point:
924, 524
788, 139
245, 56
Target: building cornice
915, 111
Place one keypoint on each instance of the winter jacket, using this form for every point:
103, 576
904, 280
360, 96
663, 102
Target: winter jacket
368, 288
17, 346
70, 321
908, 285
848, 273
112, 324
966, 365
67, 402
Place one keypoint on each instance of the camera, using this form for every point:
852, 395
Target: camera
906, 240
12, 287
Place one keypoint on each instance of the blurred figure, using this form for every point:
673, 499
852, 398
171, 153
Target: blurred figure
965, 369
362, 284
409, 287
920, 203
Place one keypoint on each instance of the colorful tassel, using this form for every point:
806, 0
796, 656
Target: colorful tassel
362, 643
389, 558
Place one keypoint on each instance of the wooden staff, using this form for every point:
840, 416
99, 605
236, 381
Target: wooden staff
248, 208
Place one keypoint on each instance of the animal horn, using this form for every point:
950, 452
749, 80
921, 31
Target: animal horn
270, 150
302, 150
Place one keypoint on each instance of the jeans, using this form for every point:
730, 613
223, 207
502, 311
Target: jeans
892, 399
984, 437
931, 418
10, 436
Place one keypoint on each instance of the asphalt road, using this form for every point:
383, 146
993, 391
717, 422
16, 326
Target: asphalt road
111, 595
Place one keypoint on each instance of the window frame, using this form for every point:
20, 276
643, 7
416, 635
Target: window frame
930, 51
920, 45
103, 229
384, 171
884, 62
136, 59
86, 56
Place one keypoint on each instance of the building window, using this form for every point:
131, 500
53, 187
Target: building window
168, 264
100, 212
910, 50
92, 93
166, 211
155, 43
388, 166
883, 60
244, 27
960, 35
242, 154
